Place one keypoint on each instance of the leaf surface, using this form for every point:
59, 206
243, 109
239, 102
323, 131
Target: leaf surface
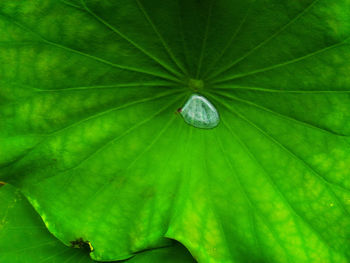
24, 238
88, 100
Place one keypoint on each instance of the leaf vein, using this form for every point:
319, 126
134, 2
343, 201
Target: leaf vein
283, 116
115, 30
278, 32
249, 200
100, 60
286, 63
164, 43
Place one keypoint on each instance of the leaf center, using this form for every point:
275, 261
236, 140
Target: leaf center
196, 84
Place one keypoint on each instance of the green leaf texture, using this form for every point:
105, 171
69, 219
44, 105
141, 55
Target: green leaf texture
24, 238
89, 131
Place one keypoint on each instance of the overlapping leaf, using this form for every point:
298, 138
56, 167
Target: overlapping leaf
24, 238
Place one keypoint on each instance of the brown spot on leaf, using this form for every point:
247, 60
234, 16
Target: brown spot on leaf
80, 243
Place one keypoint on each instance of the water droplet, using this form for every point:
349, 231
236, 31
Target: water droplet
200, 113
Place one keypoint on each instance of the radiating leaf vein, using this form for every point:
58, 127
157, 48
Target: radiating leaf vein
164, 43
264, 42
115, 30
51, 43
286, 63
280, 193
281, 115
249, 200
325, 181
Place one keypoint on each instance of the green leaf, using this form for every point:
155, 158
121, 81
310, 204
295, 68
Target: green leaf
88, 92
175, 253
24, 238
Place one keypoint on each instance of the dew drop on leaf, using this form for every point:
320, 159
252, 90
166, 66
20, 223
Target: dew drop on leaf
200, 113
